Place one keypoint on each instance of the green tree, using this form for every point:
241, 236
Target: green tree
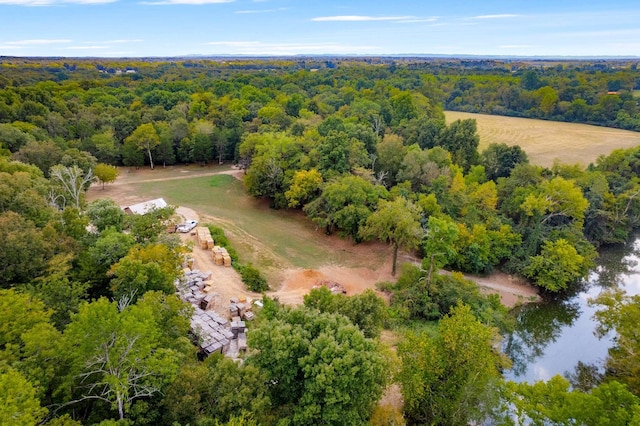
217, 388
461, 139
28, 341
115, 357
18, 403
345, 204
273, 158
104, 213
621, 313
418, 168
558, 265
554, 403
147, 227
305, 186
499, 159
19, 313
390, 153
13, 138
556, 200
105, 173
152, 267
338, 154
398, 223
145, 138
60, 294
450, 379
131, 154
320, 368
105, 147
164, 152
23, 190
24, 251
366, 310
44, 155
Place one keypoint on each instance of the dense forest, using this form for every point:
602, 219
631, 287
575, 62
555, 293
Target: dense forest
93, 332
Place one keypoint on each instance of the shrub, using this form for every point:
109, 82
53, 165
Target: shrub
253, 278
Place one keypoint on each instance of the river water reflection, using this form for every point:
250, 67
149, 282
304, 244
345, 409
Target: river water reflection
555, 336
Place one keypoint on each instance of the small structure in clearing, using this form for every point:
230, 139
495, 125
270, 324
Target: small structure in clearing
146, 207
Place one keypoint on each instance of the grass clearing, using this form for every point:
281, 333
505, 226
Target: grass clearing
270, 239
544, 141
636, 93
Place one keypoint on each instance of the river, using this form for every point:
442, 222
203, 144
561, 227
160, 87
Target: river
557, 336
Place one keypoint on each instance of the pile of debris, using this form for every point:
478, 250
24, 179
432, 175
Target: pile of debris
214, 332
241, 308
334, 287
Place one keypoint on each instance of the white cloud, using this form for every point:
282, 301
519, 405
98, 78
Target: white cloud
233, 43
360, 18
35, 42
136, 40
189, 2
261, 10
501, 16
416, 20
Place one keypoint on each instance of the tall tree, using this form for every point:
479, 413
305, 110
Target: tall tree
105, 173
450, 379
145, 138
320, 367
398, 223
18, 403
217, 388
72, 180
461, 139
345, 204
115, 356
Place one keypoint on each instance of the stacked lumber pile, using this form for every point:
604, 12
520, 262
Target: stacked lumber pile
220, 256
203, 237
240, 307
212, 330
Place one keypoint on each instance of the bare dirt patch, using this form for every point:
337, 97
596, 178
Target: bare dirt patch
298, 282
513, 291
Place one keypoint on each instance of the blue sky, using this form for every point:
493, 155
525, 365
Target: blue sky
138, 28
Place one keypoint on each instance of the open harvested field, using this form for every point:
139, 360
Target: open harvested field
544, 141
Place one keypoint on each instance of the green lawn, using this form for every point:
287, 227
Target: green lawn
271, 239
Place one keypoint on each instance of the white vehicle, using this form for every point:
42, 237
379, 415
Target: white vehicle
187, 226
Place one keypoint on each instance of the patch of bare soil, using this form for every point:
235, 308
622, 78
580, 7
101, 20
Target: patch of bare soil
513, 291
297, 281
